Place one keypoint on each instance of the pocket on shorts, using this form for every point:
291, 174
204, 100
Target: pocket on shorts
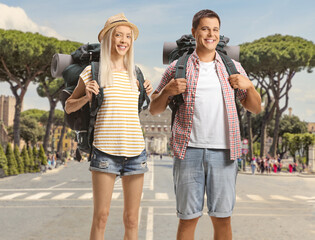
99, 159
185, 172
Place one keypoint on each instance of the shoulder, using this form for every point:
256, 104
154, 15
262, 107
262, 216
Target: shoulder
86, 74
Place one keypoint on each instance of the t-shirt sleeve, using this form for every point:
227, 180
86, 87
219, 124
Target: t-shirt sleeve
167, 76
241, 93
86, 74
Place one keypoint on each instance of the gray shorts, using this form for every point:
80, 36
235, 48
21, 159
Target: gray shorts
205, 170
119, 165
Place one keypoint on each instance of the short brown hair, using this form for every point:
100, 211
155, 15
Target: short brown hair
203, 14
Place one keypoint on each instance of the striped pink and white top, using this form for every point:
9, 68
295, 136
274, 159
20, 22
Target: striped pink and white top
117, 129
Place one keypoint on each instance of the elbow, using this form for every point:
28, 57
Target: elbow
66, 108
152, 111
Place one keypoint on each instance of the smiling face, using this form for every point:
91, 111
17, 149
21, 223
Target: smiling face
207, 34
121, 40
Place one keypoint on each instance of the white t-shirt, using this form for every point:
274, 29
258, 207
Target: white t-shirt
210, 124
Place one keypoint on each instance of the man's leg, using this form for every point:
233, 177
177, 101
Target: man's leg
189, 185
220, 188
222, 228
186, 229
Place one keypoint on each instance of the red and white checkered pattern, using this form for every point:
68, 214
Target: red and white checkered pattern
184, 116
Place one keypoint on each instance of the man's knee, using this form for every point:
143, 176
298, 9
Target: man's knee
188, 222
221, 222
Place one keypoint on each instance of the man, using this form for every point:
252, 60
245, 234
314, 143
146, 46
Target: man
205, 135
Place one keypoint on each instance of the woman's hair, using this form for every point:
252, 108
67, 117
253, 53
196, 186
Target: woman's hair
105, 70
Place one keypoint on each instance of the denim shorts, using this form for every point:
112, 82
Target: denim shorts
203, 171
119, 165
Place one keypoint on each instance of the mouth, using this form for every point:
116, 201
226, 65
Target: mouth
122, 47
209, 40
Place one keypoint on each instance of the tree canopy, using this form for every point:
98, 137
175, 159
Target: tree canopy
24, 57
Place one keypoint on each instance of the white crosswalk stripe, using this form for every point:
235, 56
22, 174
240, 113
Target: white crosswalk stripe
63, 196
117, 195
161, 196
282, 198
255, 197
11, 196
38, 196
86, 196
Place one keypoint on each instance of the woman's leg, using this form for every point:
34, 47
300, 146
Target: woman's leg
103, 184
132, 187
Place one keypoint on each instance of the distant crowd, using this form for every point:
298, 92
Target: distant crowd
270, 164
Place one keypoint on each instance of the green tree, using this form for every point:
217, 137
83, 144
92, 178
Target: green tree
50, 88
31, 157
19, 160
31, 130
12, 165
25, 157
36, 159
41, 156
272, 62
24, 57
58, 120
33, 113
308, 140
3, 161
288, 124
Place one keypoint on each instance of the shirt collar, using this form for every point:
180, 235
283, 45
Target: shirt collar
217, 57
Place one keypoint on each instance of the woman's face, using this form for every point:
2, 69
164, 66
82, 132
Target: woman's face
121, 40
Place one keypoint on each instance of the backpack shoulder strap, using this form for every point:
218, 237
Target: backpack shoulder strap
229, 64
180, 72
143, 97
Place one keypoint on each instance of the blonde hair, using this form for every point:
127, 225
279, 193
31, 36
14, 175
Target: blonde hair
106, 74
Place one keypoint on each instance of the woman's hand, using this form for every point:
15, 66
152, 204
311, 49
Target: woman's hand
148, 87
90, 88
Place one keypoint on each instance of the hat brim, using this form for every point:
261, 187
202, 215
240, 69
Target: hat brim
105, 29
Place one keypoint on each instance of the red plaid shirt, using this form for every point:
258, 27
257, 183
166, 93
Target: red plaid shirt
184, 116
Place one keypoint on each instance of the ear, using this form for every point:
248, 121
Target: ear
193, 32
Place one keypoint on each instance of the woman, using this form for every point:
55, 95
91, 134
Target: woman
118, 147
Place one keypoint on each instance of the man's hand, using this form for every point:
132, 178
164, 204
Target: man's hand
90, 88
175, 86
239, 81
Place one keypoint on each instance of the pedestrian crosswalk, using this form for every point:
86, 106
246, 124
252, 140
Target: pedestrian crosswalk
155, 196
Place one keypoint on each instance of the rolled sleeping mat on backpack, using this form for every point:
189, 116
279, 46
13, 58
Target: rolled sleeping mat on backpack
59, 63
232, 51
168, 47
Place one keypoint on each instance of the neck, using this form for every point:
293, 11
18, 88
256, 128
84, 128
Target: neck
117, 63
205, 55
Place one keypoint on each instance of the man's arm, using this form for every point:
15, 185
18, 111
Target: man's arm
252, 102
159, 101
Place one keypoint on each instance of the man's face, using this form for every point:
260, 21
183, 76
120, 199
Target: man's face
207, 34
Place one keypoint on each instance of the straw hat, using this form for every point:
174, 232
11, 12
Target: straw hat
116, 20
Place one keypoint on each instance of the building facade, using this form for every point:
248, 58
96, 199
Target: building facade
7, 111
157, 131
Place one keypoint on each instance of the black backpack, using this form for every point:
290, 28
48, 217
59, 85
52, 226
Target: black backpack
83, 120
185, 47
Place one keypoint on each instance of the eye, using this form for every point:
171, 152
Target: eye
128, 36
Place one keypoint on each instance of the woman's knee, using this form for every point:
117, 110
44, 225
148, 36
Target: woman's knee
130, 220
100, 218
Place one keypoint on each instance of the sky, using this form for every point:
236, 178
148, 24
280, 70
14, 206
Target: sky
165, 21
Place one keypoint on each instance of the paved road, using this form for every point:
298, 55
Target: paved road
58, 205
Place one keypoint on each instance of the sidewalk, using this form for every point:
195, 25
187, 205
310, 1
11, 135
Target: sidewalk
282, 173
